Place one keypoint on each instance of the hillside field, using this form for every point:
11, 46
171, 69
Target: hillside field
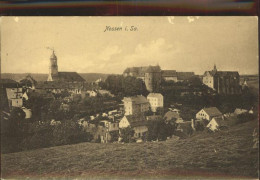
222, 155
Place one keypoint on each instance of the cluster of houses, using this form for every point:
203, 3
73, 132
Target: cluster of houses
136, 111
12, 95
132, 115
139, 110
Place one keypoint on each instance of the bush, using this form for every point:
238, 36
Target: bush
160, 130
245, 117
69, 132
127, 134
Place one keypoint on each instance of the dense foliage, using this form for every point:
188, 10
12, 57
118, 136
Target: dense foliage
159, 130
124, 86
127, 134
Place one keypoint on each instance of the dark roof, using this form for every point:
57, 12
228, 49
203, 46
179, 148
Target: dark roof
70, 77
28, 80
169, 73
220, 121
140, 71
9, 83
135, 121
227, 73
223, 73
57, 85
151, 69
139, 99
212, 111
184, 75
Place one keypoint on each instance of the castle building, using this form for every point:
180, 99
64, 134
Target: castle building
55, 75
223, 82
151, 75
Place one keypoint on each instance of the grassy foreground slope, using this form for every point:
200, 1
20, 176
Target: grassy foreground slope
226, 154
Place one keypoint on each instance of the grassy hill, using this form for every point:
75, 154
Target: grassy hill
226, 154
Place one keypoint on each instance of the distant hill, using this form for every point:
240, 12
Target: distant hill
89, 77
19, 76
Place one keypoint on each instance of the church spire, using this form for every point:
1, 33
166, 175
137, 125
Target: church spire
53, 67
215, 68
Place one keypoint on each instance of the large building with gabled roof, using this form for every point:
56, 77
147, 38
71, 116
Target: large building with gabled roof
153, 76
136, 105
223, 82
55, 75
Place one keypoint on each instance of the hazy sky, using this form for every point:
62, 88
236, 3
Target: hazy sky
81, 45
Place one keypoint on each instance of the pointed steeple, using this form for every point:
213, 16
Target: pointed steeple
214, 69
53, 56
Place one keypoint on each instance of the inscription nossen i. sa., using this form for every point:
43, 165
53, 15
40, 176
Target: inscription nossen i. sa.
120, 28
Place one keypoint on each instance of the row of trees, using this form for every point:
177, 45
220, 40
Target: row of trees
18, 134
124, 86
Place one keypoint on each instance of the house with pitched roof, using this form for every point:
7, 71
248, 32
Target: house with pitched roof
28, 82
135, 105
14, 96
138, 123
223, 82
155, 100
208, 113
217, 123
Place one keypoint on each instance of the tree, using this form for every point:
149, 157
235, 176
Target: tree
125, 86
245, 117
160, 130
16, 118
69, 132
127, 134
12, 135
39, 105
195, 81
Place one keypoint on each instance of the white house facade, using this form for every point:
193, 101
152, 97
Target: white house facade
155, 100
208, 113
135, 105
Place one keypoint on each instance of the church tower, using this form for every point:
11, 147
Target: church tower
215, 68
53, 67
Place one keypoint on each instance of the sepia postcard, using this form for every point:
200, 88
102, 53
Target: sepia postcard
129, 97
